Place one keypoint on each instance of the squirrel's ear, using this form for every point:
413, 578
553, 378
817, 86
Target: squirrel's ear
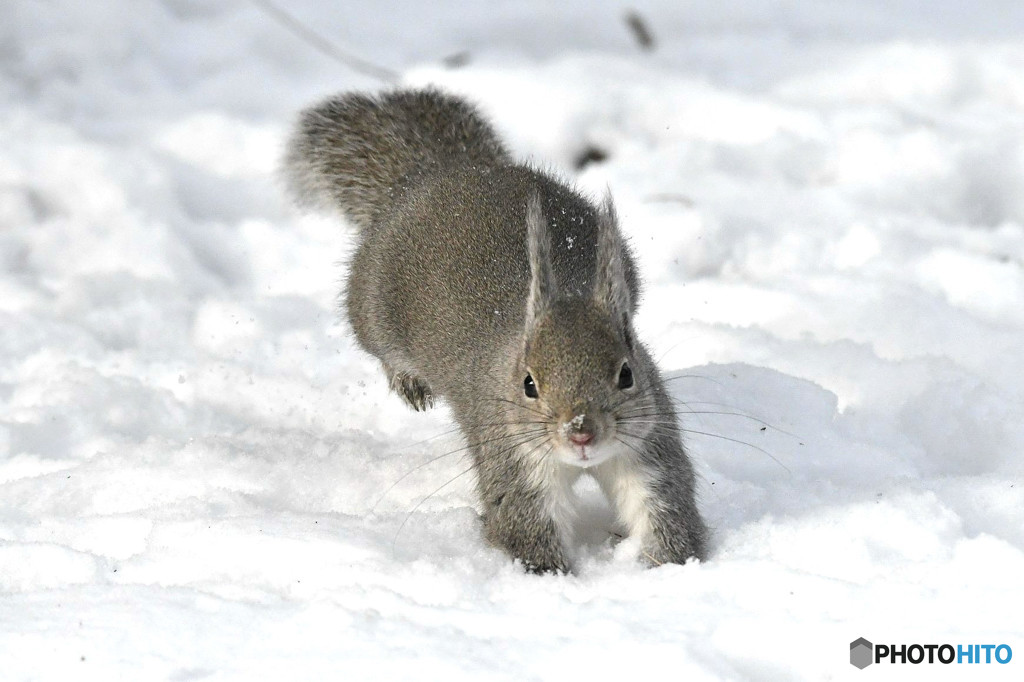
610, 287
538, 245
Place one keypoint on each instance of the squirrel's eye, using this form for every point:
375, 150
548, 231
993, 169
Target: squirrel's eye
625, 377
529, 387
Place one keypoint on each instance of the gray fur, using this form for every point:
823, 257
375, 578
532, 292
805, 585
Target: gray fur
470, 272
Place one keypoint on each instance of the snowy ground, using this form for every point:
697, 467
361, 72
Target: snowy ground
202, 478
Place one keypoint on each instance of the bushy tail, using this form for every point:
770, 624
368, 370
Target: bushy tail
358, 152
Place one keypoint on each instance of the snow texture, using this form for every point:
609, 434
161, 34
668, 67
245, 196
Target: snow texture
202, 478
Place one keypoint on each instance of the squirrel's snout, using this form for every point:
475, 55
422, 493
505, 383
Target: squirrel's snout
580, 430
584, 441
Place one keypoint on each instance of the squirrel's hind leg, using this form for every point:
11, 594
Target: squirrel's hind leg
411, 389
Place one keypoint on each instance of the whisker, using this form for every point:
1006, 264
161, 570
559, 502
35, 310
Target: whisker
741, 442
520, 406
637, 414
631, 447
456, 451
457, 429
542, 438
733, 411
427, 440
394, 541
692, 376
719, 436
737, 414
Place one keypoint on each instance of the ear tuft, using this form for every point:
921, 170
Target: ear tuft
610, 286
538, 244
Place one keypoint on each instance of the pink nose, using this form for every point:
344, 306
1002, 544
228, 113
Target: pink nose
581, 437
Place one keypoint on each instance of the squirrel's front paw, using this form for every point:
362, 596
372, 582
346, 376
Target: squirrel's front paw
529, 540
412, 390
677, 548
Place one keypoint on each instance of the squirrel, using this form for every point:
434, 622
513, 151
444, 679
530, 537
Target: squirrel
497, 287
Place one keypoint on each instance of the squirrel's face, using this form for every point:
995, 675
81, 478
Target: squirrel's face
582, 390
579, 379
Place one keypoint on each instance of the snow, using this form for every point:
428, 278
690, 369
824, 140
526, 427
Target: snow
201, 476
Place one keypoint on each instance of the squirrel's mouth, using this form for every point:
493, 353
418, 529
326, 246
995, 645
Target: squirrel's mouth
585, 456
581, 451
